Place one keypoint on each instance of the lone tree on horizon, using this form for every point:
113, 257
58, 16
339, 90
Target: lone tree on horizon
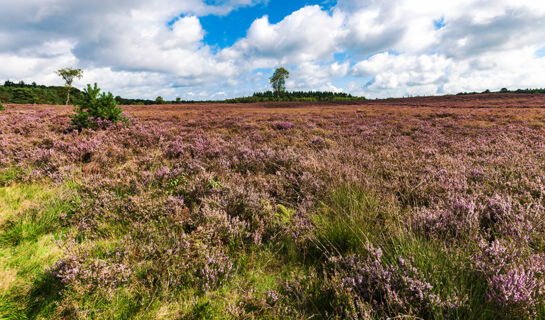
68, 75
278, 80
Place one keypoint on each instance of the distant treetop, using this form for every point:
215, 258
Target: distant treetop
278, 80
68, 75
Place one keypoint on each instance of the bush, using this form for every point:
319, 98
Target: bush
97, 110
2, 108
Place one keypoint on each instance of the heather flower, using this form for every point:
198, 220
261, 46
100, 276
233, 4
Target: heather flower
458, 220
92, 273
272, 296
515, 280
283, 125
397, 289
162, 173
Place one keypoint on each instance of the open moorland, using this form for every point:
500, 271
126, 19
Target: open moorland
426, 208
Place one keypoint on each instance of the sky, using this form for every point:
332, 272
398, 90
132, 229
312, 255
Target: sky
216, 49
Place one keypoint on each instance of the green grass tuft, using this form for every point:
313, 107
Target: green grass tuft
349, 218
29, 221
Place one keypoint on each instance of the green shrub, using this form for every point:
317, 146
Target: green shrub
2, 108
97, 109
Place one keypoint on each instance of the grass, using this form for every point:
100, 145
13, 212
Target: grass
352, 217
259, 271
348, 219
29, 222
10, 174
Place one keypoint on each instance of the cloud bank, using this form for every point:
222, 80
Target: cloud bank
137, 48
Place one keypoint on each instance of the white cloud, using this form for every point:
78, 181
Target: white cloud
312, 76
128, 47
306, 35
38, 63
406, 74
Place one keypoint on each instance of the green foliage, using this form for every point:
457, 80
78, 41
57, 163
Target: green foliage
68, 75
33, 222
10, 175
2, 108
278, 80
23, 93
97, 107
351, 218
138, 102
159, 100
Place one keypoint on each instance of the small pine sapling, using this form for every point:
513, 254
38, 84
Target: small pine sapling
97, 110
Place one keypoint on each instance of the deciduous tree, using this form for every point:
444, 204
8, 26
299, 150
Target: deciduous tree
278, 80
68, 75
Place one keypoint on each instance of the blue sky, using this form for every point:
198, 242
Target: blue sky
541, 52
223, 31
214, 49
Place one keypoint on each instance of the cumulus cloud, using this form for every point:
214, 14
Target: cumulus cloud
407, 74
128, 36
478, 45
308, 34
391, 71
388, 48
314, 76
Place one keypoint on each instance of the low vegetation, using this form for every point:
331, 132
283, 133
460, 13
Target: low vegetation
403, 209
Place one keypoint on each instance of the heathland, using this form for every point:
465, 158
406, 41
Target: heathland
426, 207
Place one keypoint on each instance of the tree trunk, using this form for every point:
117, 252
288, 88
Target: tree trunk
68, 96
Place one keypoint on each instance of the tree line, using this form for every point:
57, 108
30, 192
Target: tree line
29, 93
32, 93
504, 90
311, 96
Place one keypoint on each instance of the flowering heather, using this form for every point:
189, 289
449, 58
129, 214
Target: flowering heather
283, 125
371, 287
234, 211
515, 279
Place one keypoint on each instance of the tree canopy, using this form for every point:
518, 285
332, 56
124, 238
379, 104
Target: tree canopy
278, 80
68, 75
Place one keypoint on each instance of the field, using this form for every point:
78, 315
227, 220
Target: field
427, 207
